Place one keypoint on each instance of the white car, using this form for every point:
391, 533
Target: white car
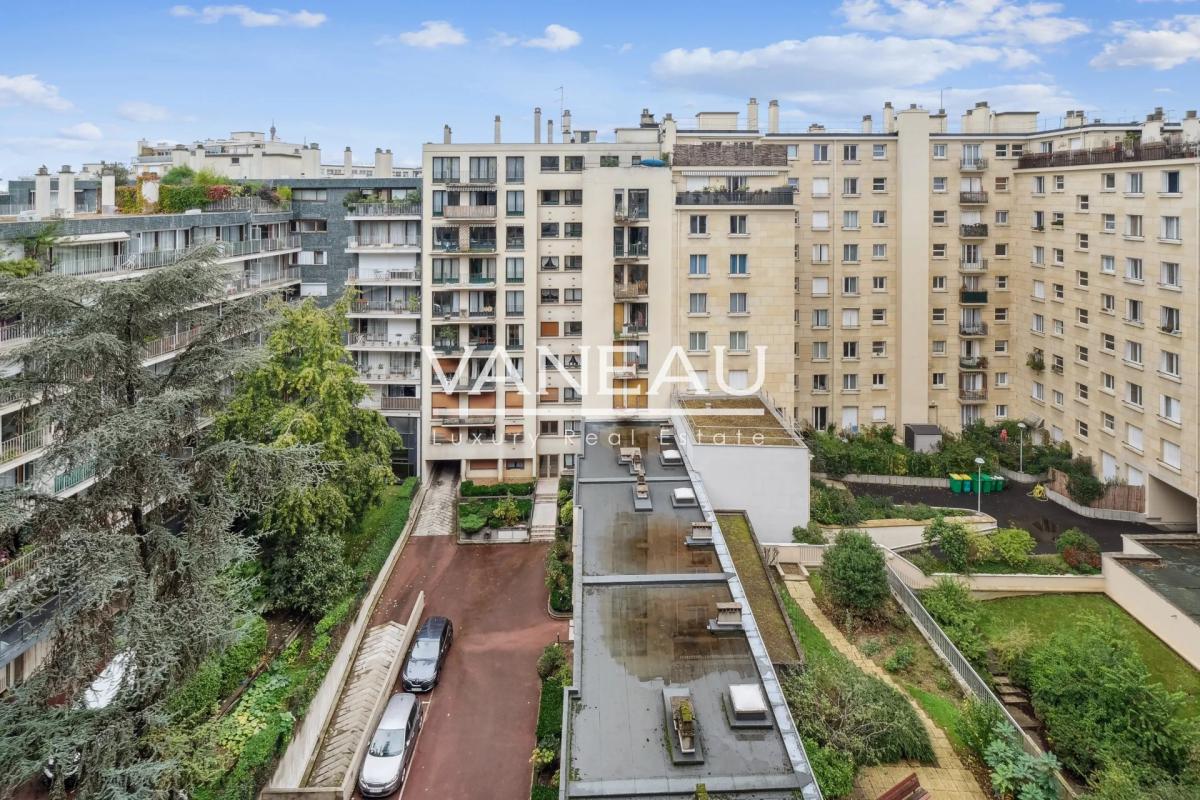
390, 753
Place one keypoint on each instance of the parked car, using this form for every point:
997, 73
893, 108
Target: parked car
100, 694
386, 764
429, 649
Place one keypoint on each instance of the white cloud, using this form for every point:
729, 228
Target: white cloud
30, 90
83, 131
502, 39
140, 111
555, 37
1169, 43
251, 18
1036, 22
432, 33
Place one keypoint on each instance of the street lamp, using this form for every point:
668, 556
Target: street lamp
979, 484
1021, 435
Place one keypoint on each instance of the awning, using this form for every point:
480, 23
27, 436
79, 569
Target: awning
91, 238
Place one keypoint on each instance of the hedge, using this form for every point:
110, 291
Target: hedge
550, 708
472, 489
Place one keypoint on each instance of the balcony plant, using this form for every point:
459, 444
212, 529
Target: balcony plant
1036, 362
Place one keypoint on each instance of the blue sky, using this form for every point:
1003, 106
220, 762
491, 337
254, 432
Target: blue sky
87, 82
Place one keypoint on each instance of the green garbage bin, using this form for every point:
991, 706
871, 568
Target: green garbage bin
968, 483
987, 483
998, 483
956, 485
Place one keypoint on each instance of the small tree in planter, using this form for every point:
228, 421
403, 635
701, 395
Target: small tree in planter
507, 513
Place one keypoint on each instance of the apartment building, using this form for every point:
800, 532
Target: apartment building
900, 273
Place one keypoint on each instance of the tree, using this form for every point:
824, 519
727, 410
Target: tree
855, 573
307, 393
140, 565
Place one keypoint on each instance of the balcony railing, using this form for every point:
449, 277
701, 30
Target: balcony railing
481, 279
469, 212
972, 362
400, 403
16, 331
250, 247
635, 250
977, 265
359, 242
972, 329
629, 332
386, 306
22, 443
972, 198
263, 281
973, 230
972, 163
255, 205
623, 213
972, 395
171, 343
99, 265
459, 421
360, 275
626, 291
384, 210
1117, 154
722, 197
21, 566
972, 296
381, 340
68, 480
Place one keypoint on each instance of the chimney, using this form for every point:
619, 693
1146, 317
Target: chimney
1191, 127
66, 191
549, 131
773, 116
108, 191
41, 192
867, 123
889, 118
752, 114
816, 127
446, 134
647, 119
1151, 128
383, 163
496, 129
348, 161
537, 125
566, 124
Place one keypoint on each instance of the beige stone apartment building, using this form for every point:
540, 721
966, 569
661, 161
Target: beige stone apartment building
900, 273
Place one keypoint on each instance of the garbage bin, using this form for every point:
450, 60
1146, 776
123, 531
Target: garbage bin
998, 483
987, 483
968, 483
956, 483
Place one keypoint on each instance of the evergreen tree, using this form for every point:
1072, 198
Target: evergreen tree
140, 565
307, 393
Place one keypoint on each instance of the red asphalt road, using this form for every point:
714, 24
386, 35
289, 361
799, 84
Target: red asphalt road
479, 728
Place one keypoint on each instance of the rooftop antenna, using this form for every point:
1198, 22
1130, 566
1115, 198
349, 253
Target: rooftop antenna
942, 96
561, 101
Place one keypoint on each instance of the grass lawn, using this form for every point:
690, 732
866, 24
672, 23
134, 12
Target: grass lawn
731, 425
944, 712
1047, 614
814, 644
758, 588
1042, 564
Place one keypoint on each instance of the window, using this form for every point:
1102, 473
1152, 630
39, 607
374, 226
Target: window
573, 230
697, 303
514, 305
1082, 241
820, 351
1038, 391
739, 341
1170, 408
1108, 181
1108, 382
939, 283
1081, 316
1108, 265
573, 163
1108, 223
938, 379
939, 184
1168, 274
850, 350
820, 318
878, 184
1002, 217
572, 295
1001, 151
1001, 380
698, 341
939, 251
820, 254
1169, 363
938, 315
1108, 342
879, 217
737, 224
820, 152
1001, 346
850, 254
1039, 184
1081, 429
737, 303
697, 264
1002, 183
514, 270
878, 316
878, 151
573, 263
879, 251
514, 169
1133, 270
939, 217
1001, 412
1170, 454
1133, 436
1133, 393
1060, 183
738, 264
849, 220
610, 161
1081, 353
939, 151
1133, 183
820, 220
1170, 229
1108, 422
1039, 255
549, 163
879, 349
698, 225
1133, 225
549, 296
1170, 319
939, 347
515, 203
850, 318
850, 187
820, 187
1133, 311
445, 169
849, 152
850, 382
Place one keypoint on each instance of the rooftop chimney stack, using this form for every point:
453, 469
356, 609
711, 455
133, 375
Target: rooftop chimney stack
383, 163
566, 124
41, 192
108, 191
348, 161
1191, 127
752, 114
66, 191
647, 119
549, 131
537, 125
773, 116
446, 134
889, 118
496, 130
867, 123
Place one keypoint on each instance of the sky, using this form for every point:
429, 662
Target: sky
85, 83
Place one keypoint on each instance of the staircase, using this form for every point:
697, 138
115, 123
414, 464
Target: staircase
544, 522
380, 649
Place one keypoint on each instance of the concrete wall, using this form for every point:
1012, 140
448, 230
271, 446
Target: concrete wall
898, 534
1179, 631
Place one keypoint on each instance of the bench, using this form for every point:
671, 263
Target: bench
907, 789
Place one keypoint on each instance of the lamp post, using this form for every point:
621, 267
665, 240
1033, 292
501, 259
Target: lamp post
1021, 435
979, 484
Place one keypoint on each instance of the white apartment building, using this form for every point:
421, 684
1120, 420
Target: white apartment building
900, 273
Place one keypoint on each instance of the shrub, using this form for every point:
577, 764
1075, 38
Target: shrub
199, 694
950, 603
979, 724
1017, 774
808, 534
506, 513
178, 175
980, 548
1082, 561
550, 708
953, 539
901, 659
855, 574
472, 489
240, 659
1073, 538
830, 506
179, 198
566, 514
551, 660
471, 523
1013, 649
333, 617
833, 769
838, 706
1013, 546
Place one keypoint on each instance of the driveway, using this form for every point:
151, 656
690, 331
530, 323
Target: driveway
479, 730
1015, 508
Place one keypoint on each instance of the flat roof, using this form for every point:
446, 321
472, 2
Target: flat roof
644, 604
1176, 577
736, 420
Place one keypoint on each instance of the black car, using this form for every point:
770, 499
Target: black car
429, 649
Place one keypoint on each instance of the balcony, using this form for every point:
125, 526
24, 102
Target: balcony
633, 252
255, 205
974, 230
391, 307
375, 276
481, 279
629, 332
382, 244
383, 210
972, 164
16, 332
249, 283
460, 421
469, 212
399, 404
17, 446
972, 329
169, 344
631, 213
447, 280
975, 265
1117, 154
630, 291
253, 247
972, 198
380, 372
972, 395
972, 362
972, 297
69, 480
381, 341
724, 197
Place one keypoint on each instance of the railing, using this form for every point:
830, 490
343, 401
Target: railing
20, 566
384, 210
622, 213
248, 282
169, 344
624, 291
400, 403
379, 275
22, 443
469, 212
446, 280
357, 339
973, 230
972, 163
972, 329
385, 306
972, 296
67, 480
515, 244
255, 205
629, 332
481, 279
972, 362
14, 209
249, 247
972, 395
637, 250
768, 197
972, 198
371, 241
90, 266
15, 331
978, 265
1117, 154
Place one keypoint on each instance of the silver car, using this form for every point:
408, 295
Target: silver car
391, 749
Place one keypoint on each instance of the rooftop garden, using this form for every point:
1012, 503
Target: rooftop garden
951, 547
183, 188
726, 426
757, 584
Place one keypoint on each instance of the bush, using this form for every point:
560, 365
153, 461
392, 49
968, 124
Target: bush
950, 603
830, 506
1082, 561
979, 724
1017, 774
179, 198
471, 523
506, 513
566, 514
855, 573
1013, 546
833, 769
901, 659
550, 708
243, 656
551, 660
558, 577
199, 695
178, 175
953, 539
840, 707
1013, 649
808, 534
333, 617
1073, 538
472, 489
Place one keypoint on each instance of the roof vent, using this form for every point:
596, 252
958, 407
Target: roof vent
729, 618
701, 535
747, 707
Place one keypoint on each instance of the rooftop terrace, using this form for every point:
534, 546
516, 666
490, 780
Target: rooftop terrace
736, 420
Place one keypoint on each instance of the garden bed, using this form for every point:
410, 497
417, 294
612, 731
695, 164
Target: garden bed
841, 507
772, 625
481, 516
554, 668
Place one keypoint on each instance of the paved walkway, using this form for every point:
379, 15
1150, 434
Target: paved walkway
545, 510
438, 510
949, 780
